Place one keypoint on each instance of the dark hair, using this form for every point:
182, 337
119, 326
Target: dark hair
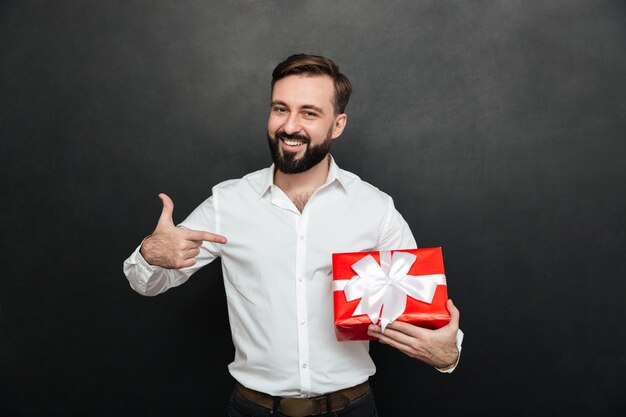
316, 65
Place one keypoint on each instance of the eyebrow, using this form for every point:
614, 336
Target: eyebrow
305, 106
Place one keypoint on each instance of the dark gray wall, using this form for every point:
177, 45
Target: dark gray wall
497, 126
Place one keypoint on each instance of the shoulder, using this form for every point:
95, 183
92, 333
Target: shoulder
358, 188
253, 181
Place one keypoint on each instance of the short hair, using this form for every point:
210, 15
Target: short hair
316, 65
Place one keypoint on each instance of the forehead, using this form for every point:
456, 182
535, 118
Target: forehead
300, 90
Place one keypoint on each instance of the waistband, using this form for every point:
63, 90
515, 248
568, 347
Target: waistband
301, 407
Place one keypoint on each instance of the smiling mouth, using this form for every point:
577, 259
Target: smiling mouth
293, 142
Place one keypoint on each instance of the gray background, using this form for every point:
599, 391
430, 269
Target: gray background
497, 126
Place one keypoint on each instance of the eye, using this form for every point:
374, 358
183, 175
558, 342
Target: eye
309, 114
279, 109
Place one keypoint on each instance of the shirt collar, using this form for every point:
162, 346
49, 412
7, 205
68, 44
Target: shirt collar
334, 174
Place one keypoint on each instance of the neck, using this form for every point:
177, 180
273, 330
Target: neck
307, 181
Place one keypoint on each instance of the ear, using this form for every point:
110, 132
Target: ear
338, 125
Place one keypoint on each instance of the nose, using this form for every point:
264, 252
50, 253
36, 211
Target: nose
292, 124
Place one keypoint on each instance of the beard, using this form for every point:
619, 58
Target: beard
286, 161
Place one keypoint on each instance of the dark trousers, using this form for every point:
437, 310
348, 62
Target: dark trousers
362, 406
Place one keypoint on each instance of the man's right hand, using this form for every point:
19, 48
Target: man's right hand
173, 247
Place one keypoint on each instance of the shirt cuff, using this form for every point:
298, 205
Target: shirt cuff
459, 342
141, 268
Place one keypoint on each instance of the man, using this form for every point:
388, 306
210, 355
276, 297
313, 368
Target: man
282, 224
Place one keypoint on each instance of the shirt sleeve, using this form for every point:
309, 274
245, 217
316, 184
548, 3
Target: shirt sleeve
459, 343
152, 280
395, 232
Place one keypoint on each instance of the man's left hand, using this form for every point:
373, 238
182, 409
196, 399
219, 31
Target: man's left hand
434, 347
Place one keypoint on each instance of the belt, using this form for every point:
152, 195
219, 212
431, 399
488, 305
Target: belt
300, 407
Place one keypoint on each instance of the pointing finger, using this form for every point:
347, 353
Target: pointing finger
207, 236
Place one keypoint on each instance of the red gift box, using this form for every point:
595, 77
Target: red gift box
407, 285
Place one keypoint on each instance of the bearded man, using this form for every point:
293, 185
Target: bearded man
282, 224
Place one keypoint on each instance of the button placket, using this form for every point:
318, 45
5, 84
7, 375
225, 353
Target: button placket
301, 306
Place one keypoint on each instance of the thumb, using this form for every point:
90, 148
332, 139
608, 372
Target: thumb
168, 209
454, 312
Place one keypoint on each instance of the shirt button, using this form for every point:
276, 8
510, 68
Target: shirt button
301, 237
304, 365
300, 278
303, 322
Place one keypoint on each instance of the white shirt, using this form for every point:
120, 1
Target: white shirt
277, 275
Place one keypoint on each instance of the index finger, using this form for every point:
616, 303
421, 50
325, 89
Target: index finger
407, 328
398, 334
207, 236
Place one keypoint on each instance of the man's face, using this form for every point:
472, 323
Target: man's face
302, 122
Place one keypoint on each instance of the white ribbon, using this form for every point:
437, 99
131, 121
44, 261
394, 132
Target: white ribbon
383, 288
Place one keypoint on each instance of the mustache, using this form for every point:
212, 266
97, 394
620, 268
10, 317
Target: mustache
281, 134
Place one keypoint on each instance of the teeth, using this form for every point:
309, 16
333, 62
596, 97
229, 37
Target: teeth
292, 142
